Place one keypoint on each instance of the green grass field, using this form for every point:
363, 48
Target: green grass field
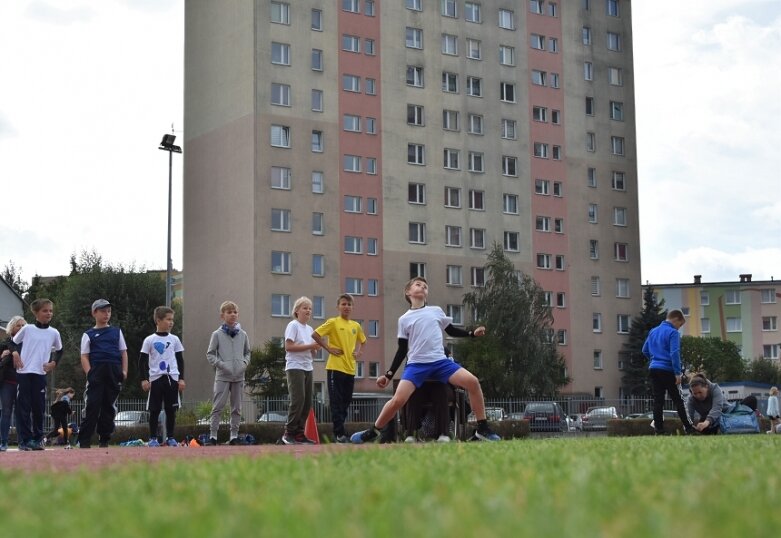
634, 487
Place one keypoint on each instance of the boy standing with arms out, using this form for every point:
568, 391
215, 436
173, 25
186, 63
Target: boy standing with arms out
663, 348
229, 353
104, 361
32, 365
161, 367
343, 335
420, 340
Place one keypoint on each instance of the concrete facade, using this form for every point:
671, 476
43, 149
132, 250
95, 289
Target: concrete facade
441, 130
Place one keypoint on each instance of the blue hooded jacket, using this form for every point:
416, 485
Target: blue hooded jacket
663, 347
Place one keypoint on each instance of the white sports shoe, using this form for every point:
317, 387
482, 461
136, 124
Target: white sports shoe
410, 439
443, 439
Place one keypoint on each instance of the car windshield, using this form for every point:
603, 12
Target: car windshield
536, 408
128, 415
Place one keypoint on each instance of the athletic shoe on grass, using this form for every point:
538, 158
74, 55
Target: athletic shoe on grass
487, 435
288, 439
171, 442
365, 436
153, 443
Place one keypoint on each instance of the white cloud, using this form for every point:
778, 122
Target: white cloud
717, 265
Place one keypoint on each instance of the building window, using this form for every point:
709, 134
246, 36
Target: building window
368, 10
558, 225
535, 6
593, 249
453, 276
537, 41
612, 8
597, 359
732, 297
416, 154
371, 206
510, 204
449, 82
317, 60
771, 351
417, 233
617, 145
318, 307
414, 38
451, 159
539, 78
280, 262
280, 305
585, 33
415, 76
351, 43
553, 44
622, 288
415, 115
452, 197
475, 124
368, 47
509, 166
280, 94
509, 129
417, 269
371, 165
588, 71
596, 322
704, 298
542, 186
373, 332
318, 265
351, 163
616, 111
619, 216
595, 286
353, 245
318, 224
507, 92
450, 120
476, 162
591, 177
476, 200
555, 117
614, 41
472, 12
734, 325
506, 19
621, 252
554, 80
478, 277
560, 262
542, 224
280, 53
415, 5
615, 76
371, 86
557, 188
705, 325
552, 9
317, 20
351, 83
477, 238
317, 141
318, 184
541, 150
416, 193
351, 123
352, 204
473, 49
353, 286
540, 113
591, 142
280, 220
556, 152
452, 236
449, 44
589, 106
543, 261
768, 296
456, 313
448, 8
317, 100
769, 323
372, 287
280, 177
511, 242
280, 136
351, 5
474, 86
618, 181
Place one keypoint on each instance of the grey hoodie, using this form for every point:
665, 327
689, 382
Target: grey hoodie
710, 408
229, 355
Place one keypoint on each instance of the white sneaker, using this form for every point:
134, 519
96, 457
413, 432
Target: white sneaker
68, 447
410, 439
443, 439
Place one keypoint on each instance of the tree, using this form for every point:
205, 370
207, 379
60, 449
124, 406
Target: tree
518, 355
719, 359
265, 373
13, 277
635, 378
762, 370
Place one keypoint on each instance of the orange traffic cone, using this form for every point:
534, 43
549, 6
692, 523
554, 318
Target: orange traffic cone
310, 428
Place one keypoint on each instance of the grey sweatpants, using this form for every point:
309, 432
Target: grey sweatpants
223, 389
299, 385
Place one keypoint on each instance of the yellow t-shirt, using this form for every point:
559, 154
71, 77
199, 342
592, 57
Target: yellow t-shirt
342, 334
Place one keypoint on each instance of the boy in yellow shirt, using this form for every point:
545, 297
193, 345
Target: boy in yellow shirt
345, 340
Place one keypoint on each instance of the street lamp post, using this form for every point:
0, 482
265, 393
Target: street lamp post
167, 144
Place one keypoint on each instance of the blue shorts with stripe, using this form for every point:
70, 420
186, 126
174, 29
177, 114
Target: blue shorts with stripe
440, 371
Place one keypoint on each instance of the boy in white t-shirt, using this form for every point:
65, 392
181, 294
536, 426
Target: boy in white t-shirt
420, 340
300, 348
32, 365
161, 366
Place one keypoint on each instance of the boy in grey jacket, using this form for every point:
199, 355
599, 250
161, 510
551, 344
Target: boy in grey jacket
229, 353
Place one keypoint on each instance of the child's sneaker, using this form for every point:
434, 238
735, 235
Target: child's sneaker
366, 436
67, 447
171, 442
342, 439
4, 446
302, 439
288, 439
487, 434
211, 442
153, 443
36, 445
444, 439
410, 439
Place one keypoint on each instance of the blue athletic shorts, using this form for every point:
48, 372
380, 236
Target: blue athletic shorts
440, 371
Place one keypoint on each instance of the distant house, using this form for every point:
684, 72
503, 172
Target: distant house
11, 303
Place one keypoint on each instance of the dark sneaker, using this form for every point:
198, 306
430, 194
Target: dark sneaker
661, 433
36, 445
366, 436
288, 439
4, 446
82, 445
211, 442
25, 446
487, 434
342, 439
236, 441
302, 439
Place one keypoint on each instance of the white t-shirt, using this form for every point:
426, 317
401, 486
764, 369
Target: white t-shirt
299, 333
37, 349
162, 355
422, 327
85, 347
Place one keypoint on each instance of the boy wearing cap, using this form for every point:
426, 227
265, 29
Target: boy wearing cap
104, 360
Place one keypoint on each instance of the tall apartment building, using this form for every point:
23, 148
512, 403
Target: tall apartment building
345, 146
745, 312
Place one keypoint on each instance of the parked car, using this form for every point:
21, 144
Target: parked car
272, 417
546, 417
491, 413
596, 418
132, 418
667, 413
576, 422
